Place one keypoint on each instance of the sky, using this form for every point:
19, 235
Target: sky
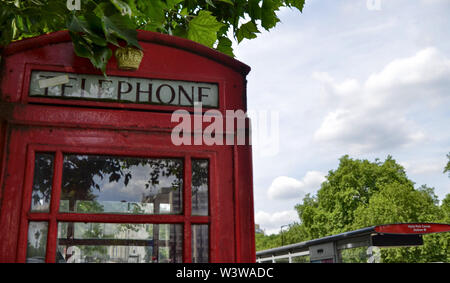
367, 78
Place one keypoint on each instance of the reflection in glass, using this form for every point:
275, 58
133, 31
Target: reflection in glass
301, 259
200, 188
354, 255
105, 184
37, 242
200, 243
42, 182
120, 243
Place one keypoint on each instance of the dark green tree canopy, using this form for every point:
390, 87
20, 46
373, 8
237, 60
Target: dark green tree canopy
347, 188
100, 23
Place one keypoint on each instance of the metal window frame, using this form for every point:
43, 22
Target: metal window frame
54, 216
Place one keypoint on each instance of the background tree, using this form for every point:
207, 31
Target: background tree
346, 189
396, 203
447, 167
101, 24
359, 194
264, 242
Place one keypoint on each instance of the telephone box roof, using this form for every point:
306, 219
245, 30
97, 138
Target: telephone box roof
143, 36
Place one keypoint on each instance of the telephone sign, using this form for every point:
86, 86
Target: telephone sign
125, 89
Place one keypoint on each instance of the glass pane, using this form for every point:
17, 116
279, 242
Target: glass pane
42, 182
301, 259
105, 184
355, 255
200, 187
119, 243
200, 243
37, 242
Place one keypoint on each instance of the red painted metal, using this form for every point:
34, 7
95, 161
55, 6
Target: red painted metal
60, 126
187, 208
413, 228
54, 208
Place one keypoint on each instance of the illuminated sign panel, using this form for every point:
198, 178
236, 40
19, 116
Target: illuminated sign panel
123, 89
413, 228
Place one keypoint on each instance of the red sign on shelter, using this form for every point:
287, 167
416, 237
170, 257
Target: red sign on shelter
413, 228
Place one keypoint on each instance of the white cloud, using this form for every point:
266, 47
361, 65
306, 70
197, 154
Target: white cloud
427, 66
365, 131
435, 1
424, 166
375, 115
369, 29
284, 187
343, 89
272, 222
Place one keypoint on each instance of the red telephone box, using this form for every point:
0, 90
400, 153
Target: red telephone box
89, 171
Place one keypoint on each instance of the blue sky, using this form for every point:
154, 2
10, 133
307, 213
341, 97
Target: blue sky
364, 78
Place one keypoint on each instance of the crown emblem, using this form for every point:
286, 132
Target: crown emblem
128, 58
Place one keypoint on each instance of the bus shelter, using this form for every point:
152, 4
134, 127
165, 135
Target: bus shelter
330, 249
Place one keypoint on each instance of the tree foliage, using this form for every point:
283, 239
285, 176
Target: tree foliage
447, 167
346, 189
264, 242
102, 23
359, 194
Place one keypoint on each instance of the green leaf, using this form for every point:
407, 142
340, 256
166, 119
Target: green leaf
80, 47
268, 17
101, 57
209, 2
78, 25
299, 4
172, 3
20, 24
98, 55
247, 30
100, 9
156, 15
227, 1
122, 7
180, 31
254, 10
95, 26
121, 27
203, 28
184, 12
225, 46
